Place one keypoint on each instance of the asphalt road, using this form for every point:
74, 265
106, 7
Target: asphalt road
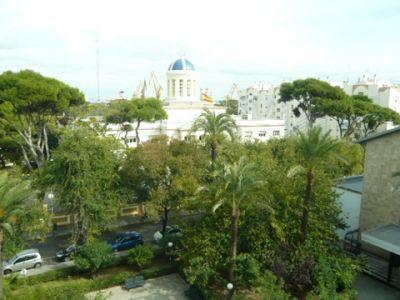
51, 245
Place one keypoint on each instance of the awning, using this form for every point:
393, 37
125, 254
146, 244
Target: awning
386, 237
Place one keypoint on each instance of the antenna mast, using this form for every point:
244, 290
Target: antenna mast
98, 69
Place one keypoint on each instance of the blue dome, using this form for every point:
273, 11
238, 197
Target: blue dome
181, 64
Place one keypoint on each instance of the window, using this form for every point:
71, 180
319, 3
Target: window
181, 87
276, 133
189, 88
262, 133
173, 87
248, 134
278, 110
132, 140
360, 94
21, 259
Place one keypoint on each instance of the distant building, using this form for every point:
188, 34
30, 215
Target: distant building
262, 102
184, 104
382, 92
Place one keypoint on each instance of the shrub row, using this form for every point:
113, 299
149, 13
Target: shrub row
67, 272
77, 288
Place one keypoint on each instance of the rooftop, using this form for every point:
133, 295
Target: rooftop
352, 184
378, 135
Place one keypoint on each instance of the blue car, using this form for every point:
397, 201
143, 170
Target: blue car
126, 241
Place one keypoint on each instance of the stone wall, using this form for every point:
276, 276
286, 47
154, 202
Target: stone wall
380, 204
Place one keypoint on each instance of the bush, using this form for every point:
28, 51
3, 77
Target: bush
94, 256
77, 288
247, 270
141, 256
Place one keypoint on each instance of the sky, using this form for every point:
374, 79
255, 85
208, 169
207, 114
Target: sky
243, 42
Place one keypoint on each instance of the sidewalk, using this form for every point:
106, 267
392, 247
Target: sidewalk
60, 265
121, 222
369, 288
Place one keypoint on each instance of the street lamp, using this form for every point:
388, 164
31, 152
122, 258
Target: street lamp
170, 244
229, 286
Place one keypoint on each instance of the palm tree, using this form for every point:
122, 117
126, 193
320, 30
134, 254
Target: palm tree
314, 148
13, 195
236, 186
214, 127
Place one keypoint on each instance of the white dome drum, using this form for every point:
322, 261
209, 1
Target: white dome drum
182, 82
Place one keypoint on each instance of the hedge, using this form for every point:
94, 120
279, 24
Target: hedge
68, 271
77, 288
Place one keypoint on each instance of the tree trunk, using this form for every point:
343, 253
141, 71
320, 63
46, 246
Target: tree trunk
1, 264
137, 132
306, 205
214, 152
3, 161
234, 240
165, 220
125, 138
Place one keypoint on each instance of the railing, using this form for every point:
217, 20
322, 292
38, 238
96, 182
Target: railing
351, 242
382, 269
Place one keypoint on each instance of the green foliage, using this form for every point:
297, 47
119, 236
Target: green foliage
29, 105
270, 288
247, 270
94, 256
164, 173
83, 176
215, 127
204, 249
357, 115
141, 256
147, 110
310, 94
76, 288
232, 107
271, 257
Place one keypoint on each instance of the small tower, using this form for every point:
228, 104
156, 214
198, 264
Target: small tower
182, 82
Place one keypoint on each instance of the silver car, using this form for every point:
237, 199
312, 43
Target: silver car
24, 260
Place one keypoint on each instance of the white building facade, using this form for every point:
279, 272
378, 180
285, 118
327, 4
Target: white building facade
184, 105
262, 102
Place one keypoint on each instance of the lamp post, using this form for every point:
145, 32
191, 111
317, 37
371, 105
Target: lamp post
170, 245
230, 287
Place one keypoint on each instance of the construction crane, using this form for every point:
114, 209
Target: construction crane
144, 85
158, 90
140, 91
231, 94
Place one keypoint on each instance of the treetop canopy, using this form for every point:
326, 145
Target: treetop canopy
30, 92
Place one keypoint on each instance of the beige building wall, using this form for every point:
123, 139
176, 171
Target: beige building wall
380, 204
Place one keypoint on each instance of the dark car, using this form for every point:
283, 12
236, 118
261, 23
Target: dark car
126, 241
66, 253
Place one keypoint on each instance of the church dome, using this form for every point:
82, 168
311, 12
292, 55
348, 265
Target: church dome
181, 64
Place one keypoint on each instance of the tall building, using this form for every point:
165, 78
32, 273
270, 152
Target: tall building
262, 102
382, 92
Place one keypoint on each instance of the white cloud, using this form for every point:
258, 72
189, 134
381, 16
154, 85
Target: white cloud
229, 41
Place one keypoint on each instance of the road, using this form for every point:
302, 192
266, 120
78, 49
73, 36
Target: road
51, 245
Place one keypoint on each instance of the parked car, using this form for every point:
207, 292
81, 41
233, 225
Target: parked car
173, 230
66, 253
24, 260
127, 240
